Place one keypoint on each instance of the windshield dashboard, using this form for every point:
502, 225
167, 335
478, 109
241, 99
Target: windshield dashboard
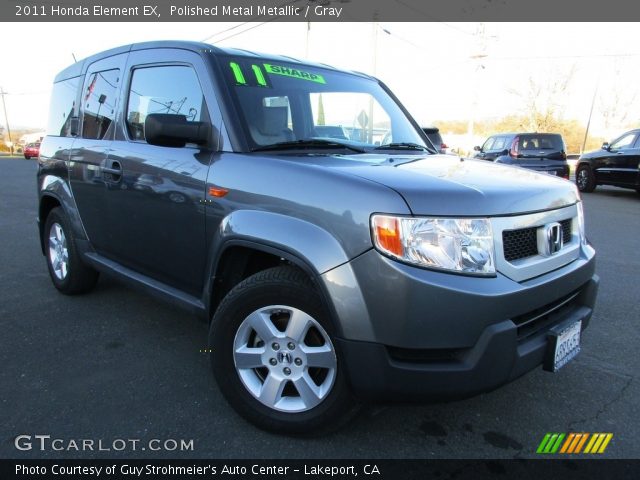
296, 107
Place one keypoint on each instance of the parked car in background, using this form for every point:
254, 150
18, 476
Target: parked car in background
331, 131
31, 150
543, 152
434, 136
616, 163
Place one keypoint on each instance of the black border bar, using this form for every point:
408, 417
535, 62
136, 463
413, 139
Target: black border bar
317, 10
566, 469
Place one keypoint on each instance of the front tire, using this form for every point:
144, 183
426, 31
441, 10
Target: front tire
68, 274
585, 179
274, 358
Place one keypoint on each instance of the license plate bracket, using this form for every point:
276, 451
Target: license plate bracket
563, 344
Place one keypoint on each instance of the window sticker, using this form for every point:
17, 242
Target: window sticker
241, 80
293, 73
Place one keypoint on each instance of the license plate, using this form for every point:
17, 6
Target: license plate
552, 172
564, 345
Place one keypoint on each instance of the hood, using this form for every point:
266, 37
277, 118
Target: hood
448, 186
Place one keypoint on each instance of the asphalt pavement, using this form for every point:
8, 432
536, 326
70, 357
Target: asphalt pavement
118, 364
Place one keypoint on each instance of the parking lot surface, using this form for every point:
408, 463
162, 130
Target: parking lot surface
117, 364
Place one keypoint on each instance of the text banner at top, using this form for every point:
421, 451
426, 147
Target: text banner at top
317, 10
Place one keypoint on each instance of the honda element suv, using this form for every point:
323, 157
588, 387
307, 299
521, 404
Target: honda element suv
332, 270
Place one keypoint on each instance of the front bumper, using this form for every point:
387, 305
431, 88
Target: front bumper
438, 336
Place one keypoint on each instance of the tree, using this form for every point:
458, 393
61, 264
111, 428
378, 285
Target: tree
543, 99
618, 103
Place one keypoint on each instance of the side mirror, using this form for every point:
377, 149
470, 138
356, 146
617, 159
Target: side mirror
477, 148
606, 146
505, 152
167, 130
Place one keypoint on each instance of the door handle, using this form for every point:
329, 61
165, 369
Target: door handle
115, 170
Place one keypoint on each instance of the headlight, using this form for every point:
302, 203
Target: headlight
583, 237
462, 245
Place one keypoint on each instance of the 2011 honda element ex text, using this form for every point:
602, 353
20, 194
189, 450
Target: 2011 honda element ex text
333, 269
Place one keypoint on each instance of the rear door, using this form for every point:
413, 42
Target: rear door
157, 213
89, 180
542, 152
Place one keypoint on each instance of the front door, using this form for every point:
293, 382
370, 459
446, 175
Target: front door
616, 165
157, 212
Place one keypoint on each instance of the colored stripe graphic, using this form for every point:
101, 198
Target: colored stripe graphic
591, 442
556, 445
598, 443
550, 443
581, 443
543, 443
565, 447
573, 443
605, 443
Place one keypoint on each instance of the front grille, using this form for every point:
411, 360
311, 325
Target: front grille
544, 317
566, 230
523, 243
518, 244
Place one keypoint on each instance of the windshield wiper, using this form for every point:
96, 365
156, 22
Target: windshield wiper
402, 146
307, 144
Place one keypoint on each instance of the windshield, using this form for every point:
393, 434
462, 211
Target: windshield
288, 104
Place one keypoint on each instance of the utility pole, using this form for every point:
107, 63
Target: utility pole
6, 119
593, 101
306, 44
476, 65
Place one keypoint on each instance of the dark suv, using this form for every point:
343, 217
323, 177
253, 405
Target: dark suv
542, 152
433, 134
616, 163
330, 269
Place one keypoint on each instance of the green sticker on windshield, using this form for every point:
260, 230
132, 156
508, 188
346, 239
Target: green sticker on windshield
294, 73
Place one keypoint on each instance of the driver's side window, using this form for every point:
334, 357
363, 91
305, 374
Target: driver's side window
624, 142
488, 144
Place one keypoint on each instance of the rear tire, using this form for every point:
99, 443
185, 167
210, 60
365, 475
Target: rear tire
27, 157
292, 381
68, 274
585, 180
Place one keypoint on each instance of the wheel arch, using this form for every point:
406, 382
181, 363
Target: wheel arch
239, 259
55, 189
48, 202
248, 241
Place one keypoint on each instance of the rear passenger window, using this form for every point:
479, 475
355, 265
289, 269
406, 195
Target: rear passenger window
63, 102
172, 89
99, 103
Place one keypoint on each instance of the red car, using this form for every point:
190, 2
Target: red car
31, 150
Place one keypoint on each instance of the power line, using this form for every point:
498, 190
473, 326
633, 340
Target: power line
244, 31
224, 31
434, 19
251, 20
26, 93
